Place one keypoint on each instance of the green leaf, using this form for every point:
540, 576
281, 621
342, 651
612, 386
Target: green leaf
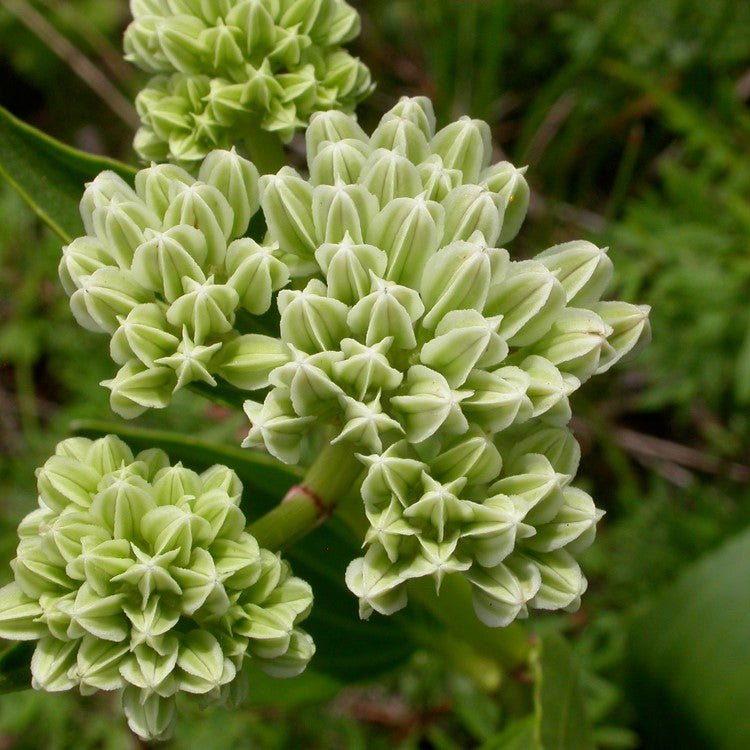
518, 736
690, 656
561, 720
49, 175
15, 665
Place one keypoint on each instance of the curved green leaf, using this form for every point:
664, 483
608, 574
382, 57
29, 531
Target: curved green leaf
690, 656
49, 175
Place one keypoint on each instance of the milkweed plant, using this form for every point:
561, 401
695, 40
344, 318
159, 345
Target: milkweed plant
367, 306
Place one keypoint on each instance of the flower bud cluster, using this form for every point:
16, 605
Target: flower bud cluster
164, 269
139, 576
421, 344
222, 66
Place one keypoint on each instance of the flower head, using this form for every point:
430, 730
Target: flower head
139, 576
223, 66
445, 365
164, 269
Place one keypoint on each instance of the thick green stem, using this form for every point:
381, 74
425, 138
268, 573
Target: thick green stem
265, 148
311, 502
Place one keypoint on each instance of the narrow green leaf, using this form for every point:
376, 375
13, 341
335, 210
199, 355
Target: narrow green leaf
15, 665
560, 709
49, 175
690, 656
518, 736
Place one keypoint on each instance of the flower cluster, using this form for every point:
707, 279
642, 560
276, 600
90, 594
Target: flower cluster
136, 575
419, 342
409, 334
225, 66
165, 271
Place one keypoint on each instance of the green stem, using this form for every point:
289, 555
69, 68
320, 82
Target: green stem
311, 502
27, 401
509, 646
481, 667
265, 148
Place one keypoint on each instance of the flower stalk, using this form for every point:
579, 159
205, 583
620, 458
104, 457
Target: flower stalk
311, 502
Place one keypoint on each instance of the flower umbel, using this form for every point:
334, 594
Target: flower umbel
139, 576
444, 364
165, 270
223, 67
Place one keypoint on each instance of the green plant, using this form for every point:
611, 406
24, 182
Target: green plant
408, 348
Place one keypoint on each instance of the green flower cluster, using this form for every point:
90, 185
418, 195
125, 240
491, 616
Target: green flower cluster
409, 335
421, 344
224, 67
138, 576
165, 271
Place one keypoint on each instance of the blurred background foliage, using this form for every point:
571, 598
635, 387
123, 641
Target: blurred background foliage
633, 118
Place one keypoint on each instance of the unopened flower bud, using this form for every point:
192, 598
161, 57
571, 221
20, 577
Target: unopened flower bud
287, 204
410, 231
529, 298
237, 180
342, 210
311, 320
510, 186
348, 265
458, 278
470, 209
104, 296
387, 176
583, 269
145, 334
576, 342
247, 361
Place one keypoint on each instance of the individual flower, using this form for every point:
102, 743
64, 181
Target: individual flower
138, 576
418, 342
165, 270
223, 68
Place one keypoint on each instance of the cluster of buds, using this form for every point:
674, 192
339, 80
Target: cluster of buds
422, 345
223, 67
165, 271
139, 576
409, 335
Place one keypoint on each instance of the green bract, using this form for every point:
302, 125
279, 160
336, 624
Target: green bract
138, 576
224, 67
444, 365
165, 271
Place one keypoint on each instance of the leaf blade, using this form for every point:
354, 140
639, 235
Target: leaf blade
691, 654
560, 709
49, 175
